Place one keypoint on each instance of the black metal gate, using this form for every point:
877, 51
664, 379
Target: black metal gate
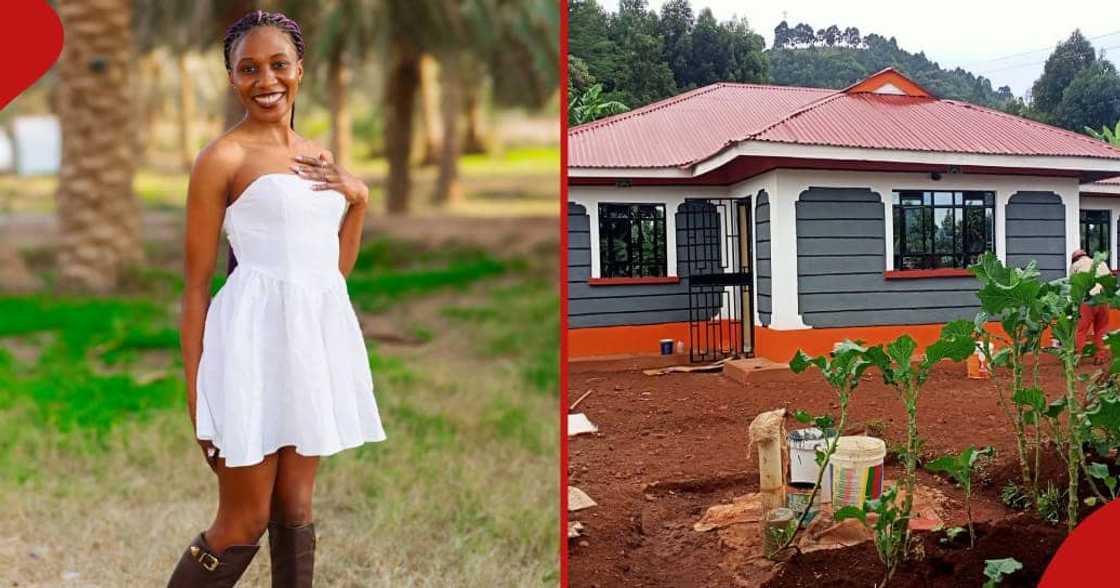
716, 255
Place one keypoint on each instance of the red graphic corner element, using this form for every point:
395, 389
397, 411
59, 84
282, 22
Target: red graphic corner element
1089, 552
29, 48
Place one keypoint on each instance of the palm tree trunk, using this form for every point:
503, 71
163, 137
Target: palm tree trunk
430, 110
99, 216
475, 141
338, 81
404, 79
448, 189
187, 112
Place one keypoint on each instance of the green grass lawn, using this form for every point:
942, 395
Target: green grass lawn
100, 476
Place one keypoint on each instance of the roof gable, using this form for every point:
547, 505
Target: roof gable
888, 81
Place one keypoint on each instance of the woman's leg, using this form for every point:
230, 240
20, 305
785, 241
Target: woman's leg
291, 532
244, 495
295, 484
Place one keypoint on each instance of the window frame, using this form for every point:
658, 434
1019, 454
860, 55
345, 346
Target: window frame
1104, 226
929, 201
660, 263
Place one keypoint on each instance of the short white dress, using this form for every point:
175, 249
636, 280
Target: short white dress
283, 359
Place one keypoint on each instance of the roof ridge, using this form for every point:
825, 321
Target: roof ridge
673, 100
814, 104
664, 103
1035, 123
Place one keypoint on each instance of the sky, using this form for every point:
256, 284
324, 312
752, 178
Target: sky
1006, 42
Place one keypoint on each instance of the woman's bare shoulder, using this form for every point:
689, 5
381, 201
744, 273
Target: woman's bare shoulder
219, 159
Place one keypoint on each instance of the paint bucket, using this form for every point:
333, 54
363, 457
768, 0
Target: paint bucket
777, 525
803, 445
666, 347
857, 470
797, 498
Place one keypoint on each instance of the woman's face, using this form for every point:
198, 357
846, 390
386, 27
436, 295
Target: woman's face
266, 73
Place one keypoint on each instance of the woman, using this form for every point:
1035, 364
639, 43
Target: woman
277, 370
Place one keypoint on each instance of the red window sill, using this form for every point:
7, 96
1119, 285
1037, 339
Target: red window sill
928, 273
622, 281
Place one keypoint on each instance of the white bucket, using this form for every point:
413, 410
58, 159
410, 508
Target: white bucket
857, 470
803, 469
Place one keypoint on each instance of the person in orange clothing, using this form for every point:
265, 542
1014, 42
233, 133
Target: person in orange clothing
1093, 317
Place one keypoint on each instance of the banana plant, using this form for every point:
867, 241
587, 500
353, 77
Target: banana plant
959, 466
1106, 134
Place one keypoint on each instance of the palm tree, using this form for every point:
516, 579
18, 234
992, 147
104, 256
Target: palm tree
179, 26
99, 216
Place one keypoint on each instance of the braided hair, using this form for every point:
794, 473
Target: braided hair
235, 32
260, 18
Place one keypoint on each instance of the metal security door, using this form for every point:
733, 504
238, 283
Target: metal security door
716, 255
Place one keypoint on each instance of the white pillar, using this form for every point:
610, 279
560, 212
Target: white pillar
785, 313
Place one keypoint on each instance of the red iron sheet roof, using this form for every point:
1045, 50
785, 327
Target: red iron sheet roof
689, 128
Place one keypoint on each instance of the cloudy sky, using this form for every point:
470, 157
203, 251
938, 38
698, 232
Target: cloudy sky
1007, 42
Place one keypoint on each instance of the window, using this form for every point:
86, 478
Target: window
1094, 232
632, 240
942, 229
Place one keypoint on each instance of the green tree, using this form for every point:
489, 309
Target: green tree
640, 74
1092, 99
709, 51
675, 28
746, 60
1068, 59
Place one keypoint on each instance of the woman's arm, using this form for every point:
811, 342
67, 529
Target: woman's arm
332, 176
350, 235
206, 206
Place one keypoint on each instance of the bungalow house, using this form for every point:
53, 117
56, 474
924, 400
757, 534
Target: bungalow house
754, 219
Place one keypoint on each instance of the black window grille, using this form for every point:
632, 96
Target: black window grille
942, 229
1094, 232
632, 240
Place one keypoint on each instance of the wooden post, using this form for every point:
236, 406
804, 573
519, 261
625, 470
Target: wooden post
767, 432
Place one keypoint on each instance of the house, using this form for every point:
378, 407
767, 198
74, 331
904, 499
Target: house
753, 219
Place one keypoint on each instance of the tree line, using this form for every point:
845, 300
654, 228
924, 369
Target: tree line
636, 56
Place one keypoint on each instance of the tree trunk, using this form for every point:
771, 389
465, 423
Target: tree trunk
99, 216
338, 80
448, 189
475, 141
404, 79
187, 112
430, 109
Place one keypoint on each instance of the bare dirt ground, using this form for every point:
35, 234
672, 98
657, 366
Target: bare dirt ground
670, 446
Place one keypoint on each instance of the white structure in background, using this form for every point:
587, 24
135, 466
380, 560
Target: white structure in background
6, 162
38, 142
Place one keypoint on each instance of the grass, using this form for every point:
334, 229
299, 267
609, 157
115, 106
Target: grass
101, 480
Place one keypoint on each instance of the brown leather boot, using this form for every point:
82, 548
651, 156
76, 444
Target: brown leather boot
200, 567
293, 554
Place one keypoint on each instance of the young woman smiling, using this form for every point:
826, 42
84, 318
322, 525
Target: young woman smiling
277, 370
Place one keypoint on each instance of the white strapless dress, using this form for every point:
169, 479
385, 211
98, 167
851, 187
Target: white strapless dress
283, 359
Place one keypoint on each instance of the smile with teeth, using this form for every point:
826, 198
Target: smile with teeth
267, 100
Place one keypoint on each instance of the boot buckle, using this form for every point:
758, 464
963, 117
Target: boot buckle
208, 561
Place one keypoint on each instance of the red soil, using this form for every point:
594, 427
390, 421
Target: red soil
670, 446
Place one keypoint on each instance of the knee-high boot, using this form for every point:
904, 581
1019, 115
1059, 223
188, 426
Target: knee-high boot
200, 567
293, 554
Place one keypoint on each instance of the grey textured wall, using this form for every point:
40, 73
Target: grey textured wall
1036, 228
601, 306
762, 270
841, 257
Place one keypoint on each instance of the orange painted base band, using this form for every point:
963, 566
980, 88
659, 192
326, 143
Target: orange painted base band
771, 344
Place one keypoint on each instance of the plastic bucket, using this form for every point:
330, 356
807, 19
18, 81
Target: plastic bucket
857, 470
666, 347
803, 469
797, 499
